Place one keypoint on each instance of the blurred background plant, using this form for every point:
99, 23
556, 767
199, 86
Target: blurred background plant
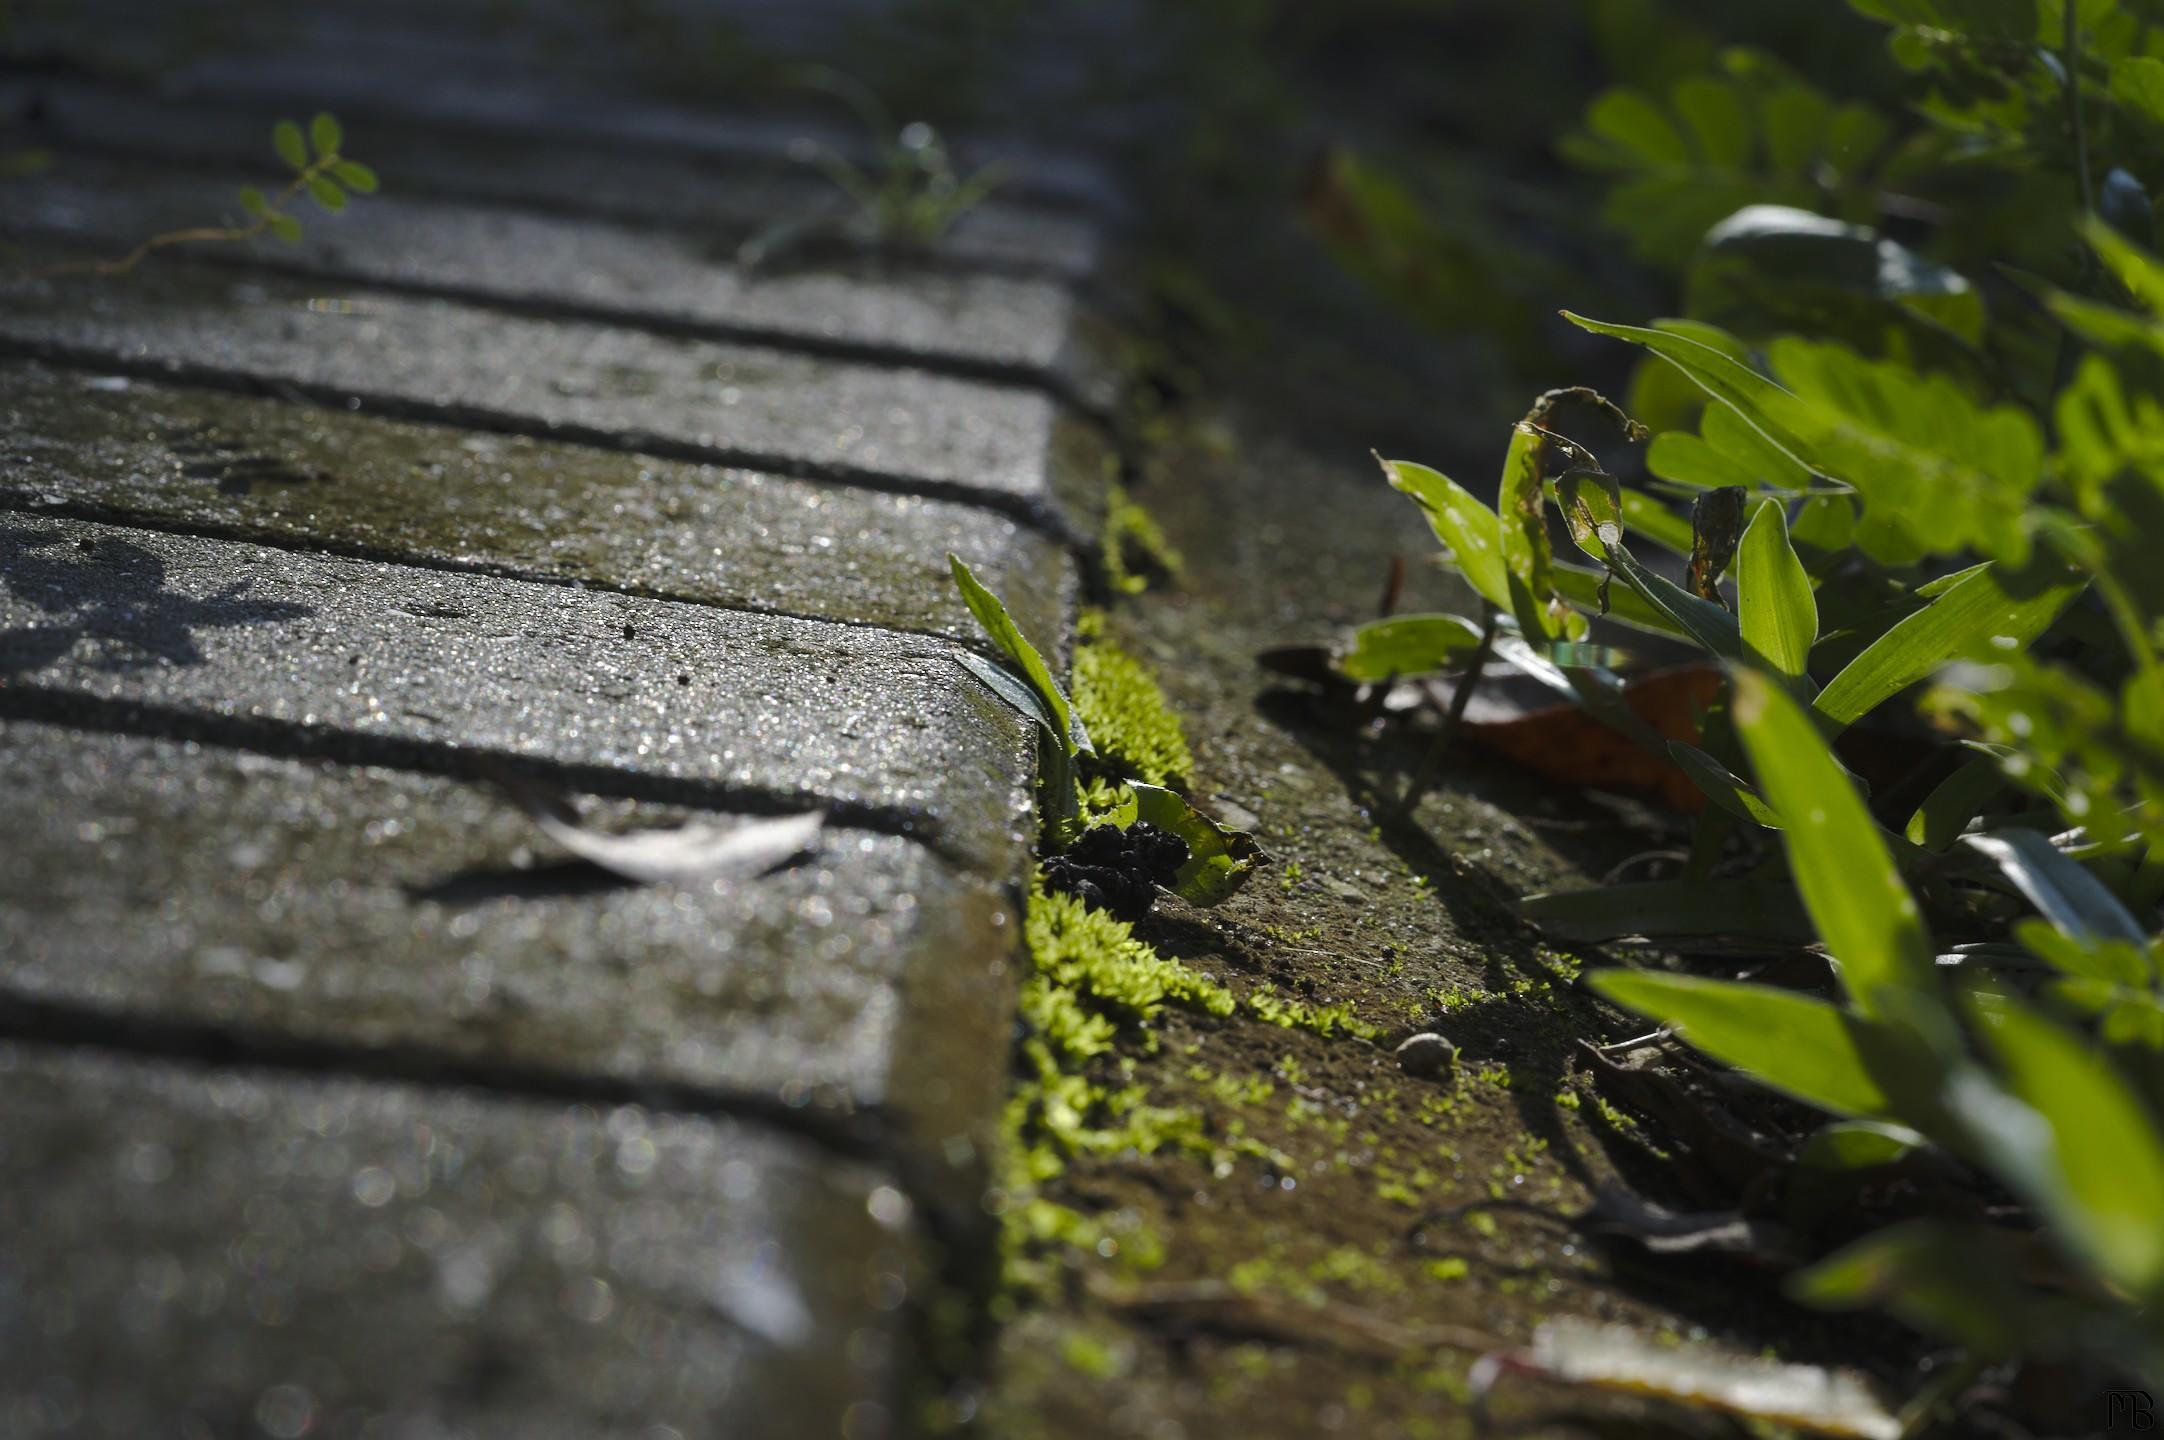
1913, 390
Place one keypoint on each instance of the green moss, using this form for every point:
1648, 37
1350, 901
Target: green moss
1094, 984
1324, 1020
1135, 550
1092, 1355
1126, 713
1098, 966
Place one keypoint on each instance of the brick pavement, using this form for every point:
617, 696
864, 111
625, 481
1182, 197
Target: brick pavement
333, 1099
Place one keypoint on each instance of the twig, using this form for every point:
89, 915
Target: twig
165, 239
1651, 1037
1459, 699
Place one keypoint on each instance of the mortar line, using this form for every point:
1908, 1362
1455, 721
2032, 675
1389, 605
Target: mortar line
868, 1135
460, 761
1046, 380
23, 502
1041, 515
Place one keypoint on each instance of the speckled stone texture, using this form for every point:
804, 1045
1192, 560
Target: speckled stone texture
307, 477
335, 1099
367, 908
363, 659
1015, 327
192, 1251
762, 407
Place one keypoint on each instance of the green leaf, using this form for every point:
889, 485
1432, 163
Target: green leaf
2062, 890
327, 134
2135, 268
1408, 645
1008, 638
1857, 1145
291, 145
1769, 409
1599, 691
1219, 860
1634, 122
1775, 607
1702, 620
1058, 781
253, 201
1959, 1282
286, 228
1804, 1047
1769, 268
1646, 516
1978, 614
355, 177
1671, 909
1470, 530
1686, 459
1522, 508
1592, 507
1590, 502
1721, 787
1945, 472
1843, 869
1016, 692
1582, 587
1824, 532
2098, 1171
2137, 82
1955, 801
1938, 472
327, 194
2114, 980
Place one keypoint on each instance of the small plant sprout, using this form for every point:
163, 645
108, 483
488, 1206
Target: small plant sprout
1085, 785
320, 171
907, 198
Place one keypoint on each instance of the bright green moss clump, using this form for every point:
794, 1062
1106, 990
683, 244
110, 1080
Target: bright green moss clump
1093, 980
1135, 549
1126, 713
1096, 959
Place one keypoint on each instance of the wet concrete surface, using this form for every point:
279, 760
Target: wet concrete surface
312, 478
190, 1250
752, 405
154, 882
334, 1099
1009, 327
371, 660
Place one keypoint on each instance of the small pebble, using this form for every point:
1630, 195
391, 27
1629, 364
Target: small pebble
1421, 1056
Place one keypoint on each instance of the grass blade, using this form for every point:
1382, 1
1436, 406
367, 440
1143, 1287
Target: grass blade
1470, 530
1006, 635
1843, 868
1977, 612
2061, 889
1775, 607
1770, 409
1805, 1047
1670, 909
2096, 1161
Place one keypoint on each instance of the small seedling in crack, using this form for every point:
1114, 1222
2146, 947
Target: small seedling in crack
908, 198
321, 173
1218, 860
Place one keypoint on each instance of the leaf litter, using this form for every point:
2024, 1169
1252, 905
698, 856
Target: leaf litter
698, 853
